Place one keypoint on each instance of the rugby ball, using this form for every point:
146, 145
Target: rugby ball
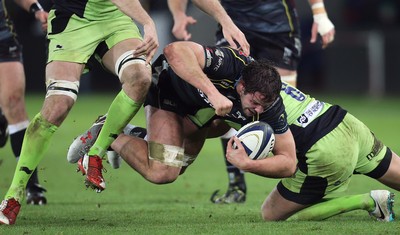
257, 138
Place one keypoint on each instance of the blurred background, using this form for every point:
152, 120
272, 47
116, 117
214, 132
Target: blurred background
363, 60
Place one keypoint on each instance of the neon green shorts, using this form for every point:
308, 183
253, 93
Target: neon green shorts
349, 148
75, 39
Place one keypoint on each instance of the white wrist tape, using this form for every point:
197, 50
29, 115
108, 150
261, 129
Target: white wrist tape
317, 5
324, 24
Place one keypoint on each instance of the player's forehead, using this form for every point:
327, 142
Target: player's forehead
259, 98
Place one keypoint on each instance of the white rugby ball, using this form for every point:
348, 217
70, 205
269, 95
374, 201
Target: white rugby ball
257, 138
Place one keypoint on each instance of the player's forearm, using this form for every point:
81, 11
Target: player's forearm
177, 8
214, 9
29, 5
183, 57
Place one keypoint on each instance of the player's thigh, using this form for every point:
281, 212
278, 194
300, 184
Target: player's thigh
326, 167
12, 81
12, 91
164, 127
276, 207
120, 45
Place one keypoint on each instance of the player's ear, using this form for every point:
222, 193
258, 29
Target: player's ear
240, 87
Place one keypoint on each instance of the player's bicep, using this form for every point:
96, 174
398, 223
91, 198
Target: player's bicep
285, 145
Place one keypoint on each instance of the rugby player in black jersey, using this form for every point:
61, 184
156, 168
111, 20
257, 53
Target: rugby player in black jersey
273, 31
195, 85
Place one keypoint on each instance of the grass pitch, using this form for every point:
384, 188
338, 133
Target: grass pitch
131, 205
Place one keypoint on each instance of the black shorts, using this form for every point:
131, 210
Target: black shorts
282, 49
162, 95
10, 50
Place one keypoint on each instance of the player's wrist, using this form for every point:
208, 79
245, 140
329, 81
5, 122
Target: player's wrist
318, 8
35, 7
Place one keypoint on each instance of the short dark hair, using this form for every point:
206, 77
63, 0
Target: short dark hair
261, 76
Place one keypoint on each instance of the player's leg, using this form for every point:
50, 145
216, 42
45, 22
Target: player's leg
193, 142
12, 99
276, 207
42, 127
135, 77
62, 81
160, 158
375, 159
329, 164
391, 177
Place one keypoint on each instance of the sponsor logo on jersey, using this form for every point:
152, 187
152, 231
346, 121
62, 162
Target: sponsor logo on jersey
204, 97
310, 113
208, 58
237, 115
219, 63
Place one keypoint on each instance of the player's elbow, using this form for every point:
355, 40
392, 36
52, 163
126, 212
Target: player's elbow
291, 168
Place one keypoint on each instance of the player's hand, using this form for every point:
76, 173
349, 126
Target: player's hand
179, 30
221, 104
150, 43
323, 26
42, 16
236, 154
233, 35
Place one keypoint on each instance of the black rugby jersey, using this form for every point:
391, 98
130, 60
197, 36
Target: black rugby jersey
6, 29
223, 67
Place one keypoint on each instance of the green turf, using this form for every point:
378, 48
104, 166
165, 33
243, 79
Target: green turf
130, 205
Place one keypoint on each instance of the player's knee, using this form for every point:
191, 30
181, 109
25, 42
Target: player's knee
171, 159
188, 159
162, 176
62, 88
267, 214
64, 94
132, 69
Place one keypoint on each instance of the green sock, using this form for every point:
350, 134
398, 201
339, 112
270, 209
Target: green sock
334, 206
120, 113
36, 142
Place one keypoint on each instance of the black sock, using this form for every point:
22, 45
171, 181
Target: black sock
235, 176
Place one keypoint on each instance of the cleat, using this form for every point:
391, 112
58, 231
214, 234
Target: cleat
92, 167
233, 195
81, 144
80, 167
3, 130
8, 211
35, 195
384, 201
